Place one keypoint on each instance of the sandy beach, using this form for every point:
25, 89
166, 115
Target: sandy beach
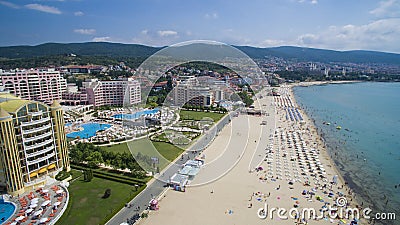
283, 164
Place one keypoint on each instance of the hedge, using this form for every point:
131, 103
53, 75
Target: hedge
116, 179
107, 175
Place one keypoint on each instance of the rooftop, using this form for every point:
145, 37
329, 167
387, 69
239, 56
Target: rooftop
10, 103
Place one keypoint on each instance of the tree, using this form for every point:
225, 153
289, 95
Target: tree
94, 159
107, 193
88, 175
247, 100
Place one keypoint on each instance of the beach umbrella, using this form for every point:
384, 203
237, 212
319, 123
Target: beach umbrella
59, 191
43, 220
19, 218
37, 213
33, 206
45, 191
29, 210
46, 203
57, 203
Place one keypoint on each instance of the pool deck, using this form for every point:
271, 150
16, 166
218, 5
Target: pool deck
44, 205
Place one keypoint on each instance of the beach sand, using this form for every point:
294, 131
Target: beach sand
245, 143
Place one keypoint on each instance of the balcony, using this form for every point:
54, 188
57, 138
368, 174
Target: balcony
36, 146
34, 122
41, 159
39, 113
51, 148
37, 137
36, 129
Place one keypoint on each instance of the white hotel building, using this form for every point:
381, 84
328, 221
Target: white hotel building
112, 93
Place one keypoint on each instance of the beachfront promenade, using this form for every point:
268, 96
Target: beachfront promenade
157, 186
235, 151
297, 173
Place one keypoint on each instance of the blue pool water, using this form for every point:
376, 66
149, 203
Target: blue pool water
89, 130
135, 115
369, 114
6, 210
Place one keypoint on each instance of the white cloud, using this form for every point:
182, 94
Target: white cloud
101, 39
79, 13
158, 38
272, 43
211, 16
43, 8
388, 8
165, 33
9, 4
85, 31
309, 1
381, 35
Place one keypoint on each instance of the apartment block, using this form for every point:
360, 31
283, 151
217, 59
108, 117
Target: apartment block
112, 93
45, 85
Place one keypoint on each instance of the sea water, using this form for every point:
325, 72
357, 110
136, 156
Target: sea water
367, 147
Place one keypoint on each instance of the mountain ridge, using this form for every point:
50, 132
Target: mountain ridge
301, 54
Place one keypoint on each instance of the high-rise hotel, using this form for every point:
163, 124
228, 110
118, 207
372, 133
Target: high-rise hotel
33, 144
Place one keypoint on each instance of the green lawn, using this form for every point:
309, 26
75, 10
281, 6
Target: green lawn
86, 204
193, 115
117, 148
169, 151
164, 151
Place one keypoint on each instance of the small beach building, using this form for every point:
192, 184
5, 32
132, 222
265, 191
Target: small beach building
178, 181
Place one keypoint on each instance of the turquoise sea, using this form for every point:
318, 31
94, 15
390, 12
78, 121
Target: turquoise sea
367, 147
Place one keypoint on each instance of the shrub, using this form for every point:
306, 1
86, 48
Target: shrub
107, 193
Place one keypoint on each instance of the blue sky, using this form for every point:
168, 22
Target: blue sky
331, 24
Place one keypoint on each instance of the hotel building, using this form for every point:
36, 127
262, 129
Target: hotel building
33, 143
112, 93
43, 85
189, 92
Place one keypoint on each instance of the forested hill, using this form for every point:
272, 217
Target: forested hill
117, 50
84, 49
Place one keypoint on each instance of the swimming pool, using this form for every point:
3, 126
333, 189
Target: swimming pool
6, 210
136, 115
89, 130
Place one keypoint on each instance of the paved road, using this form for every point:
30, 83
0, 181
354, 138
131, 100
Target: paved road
155, 188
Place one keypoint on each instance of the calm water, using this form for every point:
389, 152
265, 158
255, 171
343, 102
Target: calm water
89, 130
367, 148
6, 210
135, 115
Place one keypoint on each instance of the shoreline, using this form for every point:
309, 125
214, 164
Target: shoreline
349, 175
312, 83
296, 172
326, 149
